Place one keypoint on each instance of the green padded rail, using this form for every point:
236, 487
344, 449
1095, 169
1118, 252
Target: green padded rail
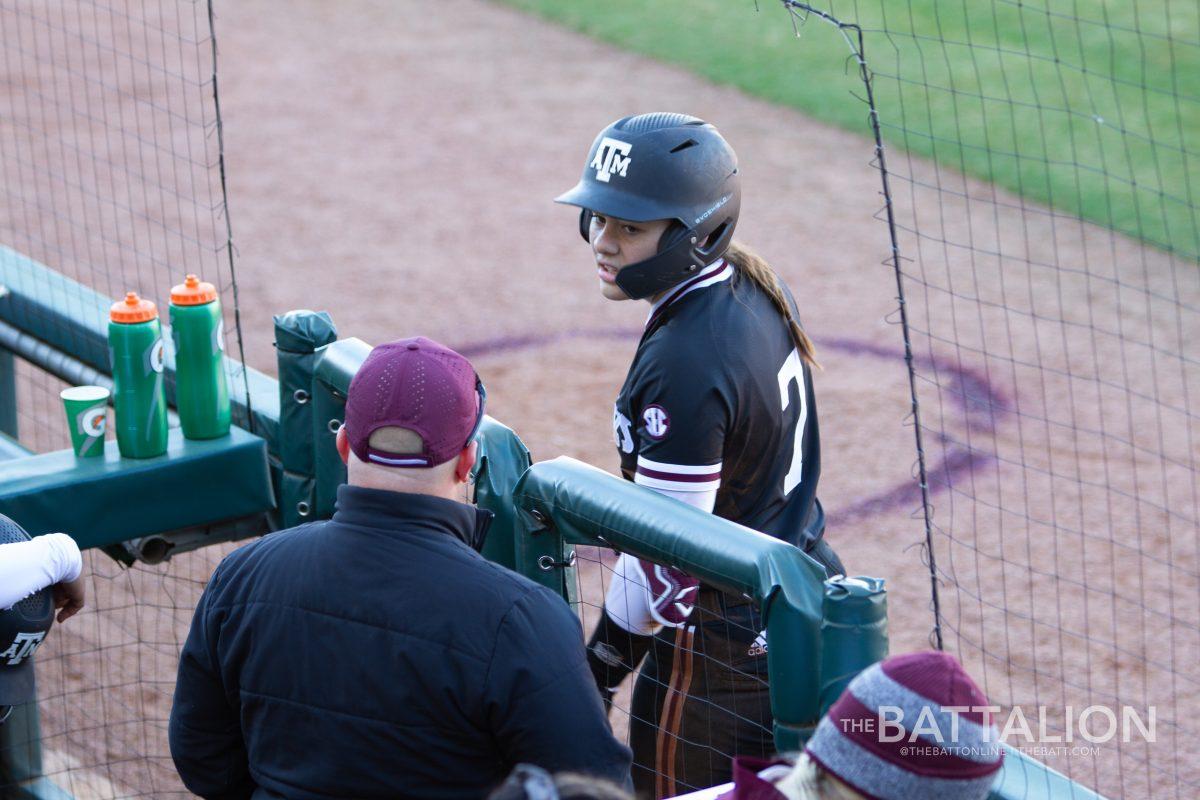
59, 492
8, 391
590, 506
585, 505
298, 335
853, 632
10, 448
503, 459
335, 366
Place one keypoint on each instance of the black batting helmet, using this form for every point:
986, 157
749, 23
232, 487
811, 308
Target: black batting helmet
22, 628
662, 166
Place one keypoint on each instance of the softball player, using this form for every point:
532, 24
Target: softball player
716, 411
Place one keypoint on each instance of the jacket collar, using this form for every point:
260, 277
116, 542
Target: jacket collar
377, 508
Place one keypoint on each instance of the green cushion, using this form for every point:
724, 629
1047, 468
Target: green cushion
10, 448
100, 501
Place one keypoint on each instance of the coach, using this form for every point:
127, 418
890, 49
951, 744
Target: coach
377, 654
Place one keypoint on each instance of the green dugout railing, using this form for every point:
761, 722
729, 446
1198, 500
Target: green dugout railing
580, 504
282, 456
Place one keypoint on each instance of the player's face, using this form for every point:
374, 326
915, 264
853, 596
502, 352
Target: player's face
617, 243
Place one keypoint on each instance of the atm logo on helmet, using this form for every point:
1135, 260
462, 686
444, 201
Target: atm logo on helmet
612, 157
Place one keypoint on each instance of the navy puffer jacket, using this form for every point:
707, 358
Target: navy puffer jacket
377, 654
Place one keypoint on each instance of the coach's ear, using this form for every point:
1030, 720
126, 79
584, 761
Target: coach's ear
343, 444
466, 462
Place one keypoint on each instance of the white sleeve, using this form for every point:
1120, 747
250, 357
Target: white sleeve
627, 601
27, 567
704, 500
629, 598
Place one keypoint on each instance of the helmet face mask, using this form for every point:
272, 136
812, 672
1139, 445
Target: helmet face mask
662, 166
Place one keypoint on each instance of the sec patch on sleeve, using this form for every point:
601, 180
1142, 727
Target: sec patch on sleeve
657, 421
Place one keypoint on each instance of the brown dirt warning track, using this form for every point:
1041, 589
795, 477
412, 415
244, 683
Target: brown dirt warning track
394, 163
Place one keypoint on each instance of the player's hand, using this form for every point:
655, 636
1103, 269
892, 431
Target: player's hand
68, 598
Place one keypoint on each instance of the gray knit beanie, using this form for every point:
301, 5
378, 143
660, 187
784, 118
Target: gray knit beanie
890, 736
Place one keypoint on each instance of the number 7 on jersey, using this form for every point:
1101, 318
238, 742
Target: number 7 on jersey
793, 370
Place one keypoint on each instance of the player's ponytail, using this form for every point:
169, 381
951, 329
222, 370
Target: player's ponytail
754, 267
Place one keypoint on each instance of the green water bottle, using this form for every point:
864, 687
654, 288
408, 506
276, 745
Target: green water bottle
135, 345
201, 393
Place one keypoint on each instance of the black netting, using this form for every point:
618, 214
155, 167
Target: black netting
110, 163
1040, 203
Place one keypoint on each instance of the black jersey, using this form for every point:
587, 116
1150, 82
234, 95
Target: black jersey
719, 398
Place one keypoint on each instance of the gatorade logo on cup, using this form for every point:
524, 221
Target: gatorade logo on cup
218, 339
155, 355
86, 408
93, 421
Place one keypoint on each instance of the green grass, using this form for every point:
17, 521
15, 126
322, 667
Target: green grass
1089, 106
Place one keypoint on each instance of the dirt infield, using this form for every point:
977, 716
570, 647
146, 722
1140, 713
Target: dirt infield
396, 166
394, 163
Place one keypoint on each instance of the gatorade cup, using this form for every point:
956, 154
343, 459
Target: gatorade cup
201, 394
135, 345
87, 415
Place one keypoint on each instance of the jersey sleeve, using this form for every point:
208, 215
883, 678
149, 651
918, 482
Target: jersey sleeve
681, 412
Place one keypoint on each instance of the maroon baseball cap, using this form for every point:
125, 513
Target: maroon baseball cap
420, 385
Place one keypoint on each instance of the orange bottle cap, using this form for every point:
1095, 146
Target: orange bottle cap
133, 309
193, 292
